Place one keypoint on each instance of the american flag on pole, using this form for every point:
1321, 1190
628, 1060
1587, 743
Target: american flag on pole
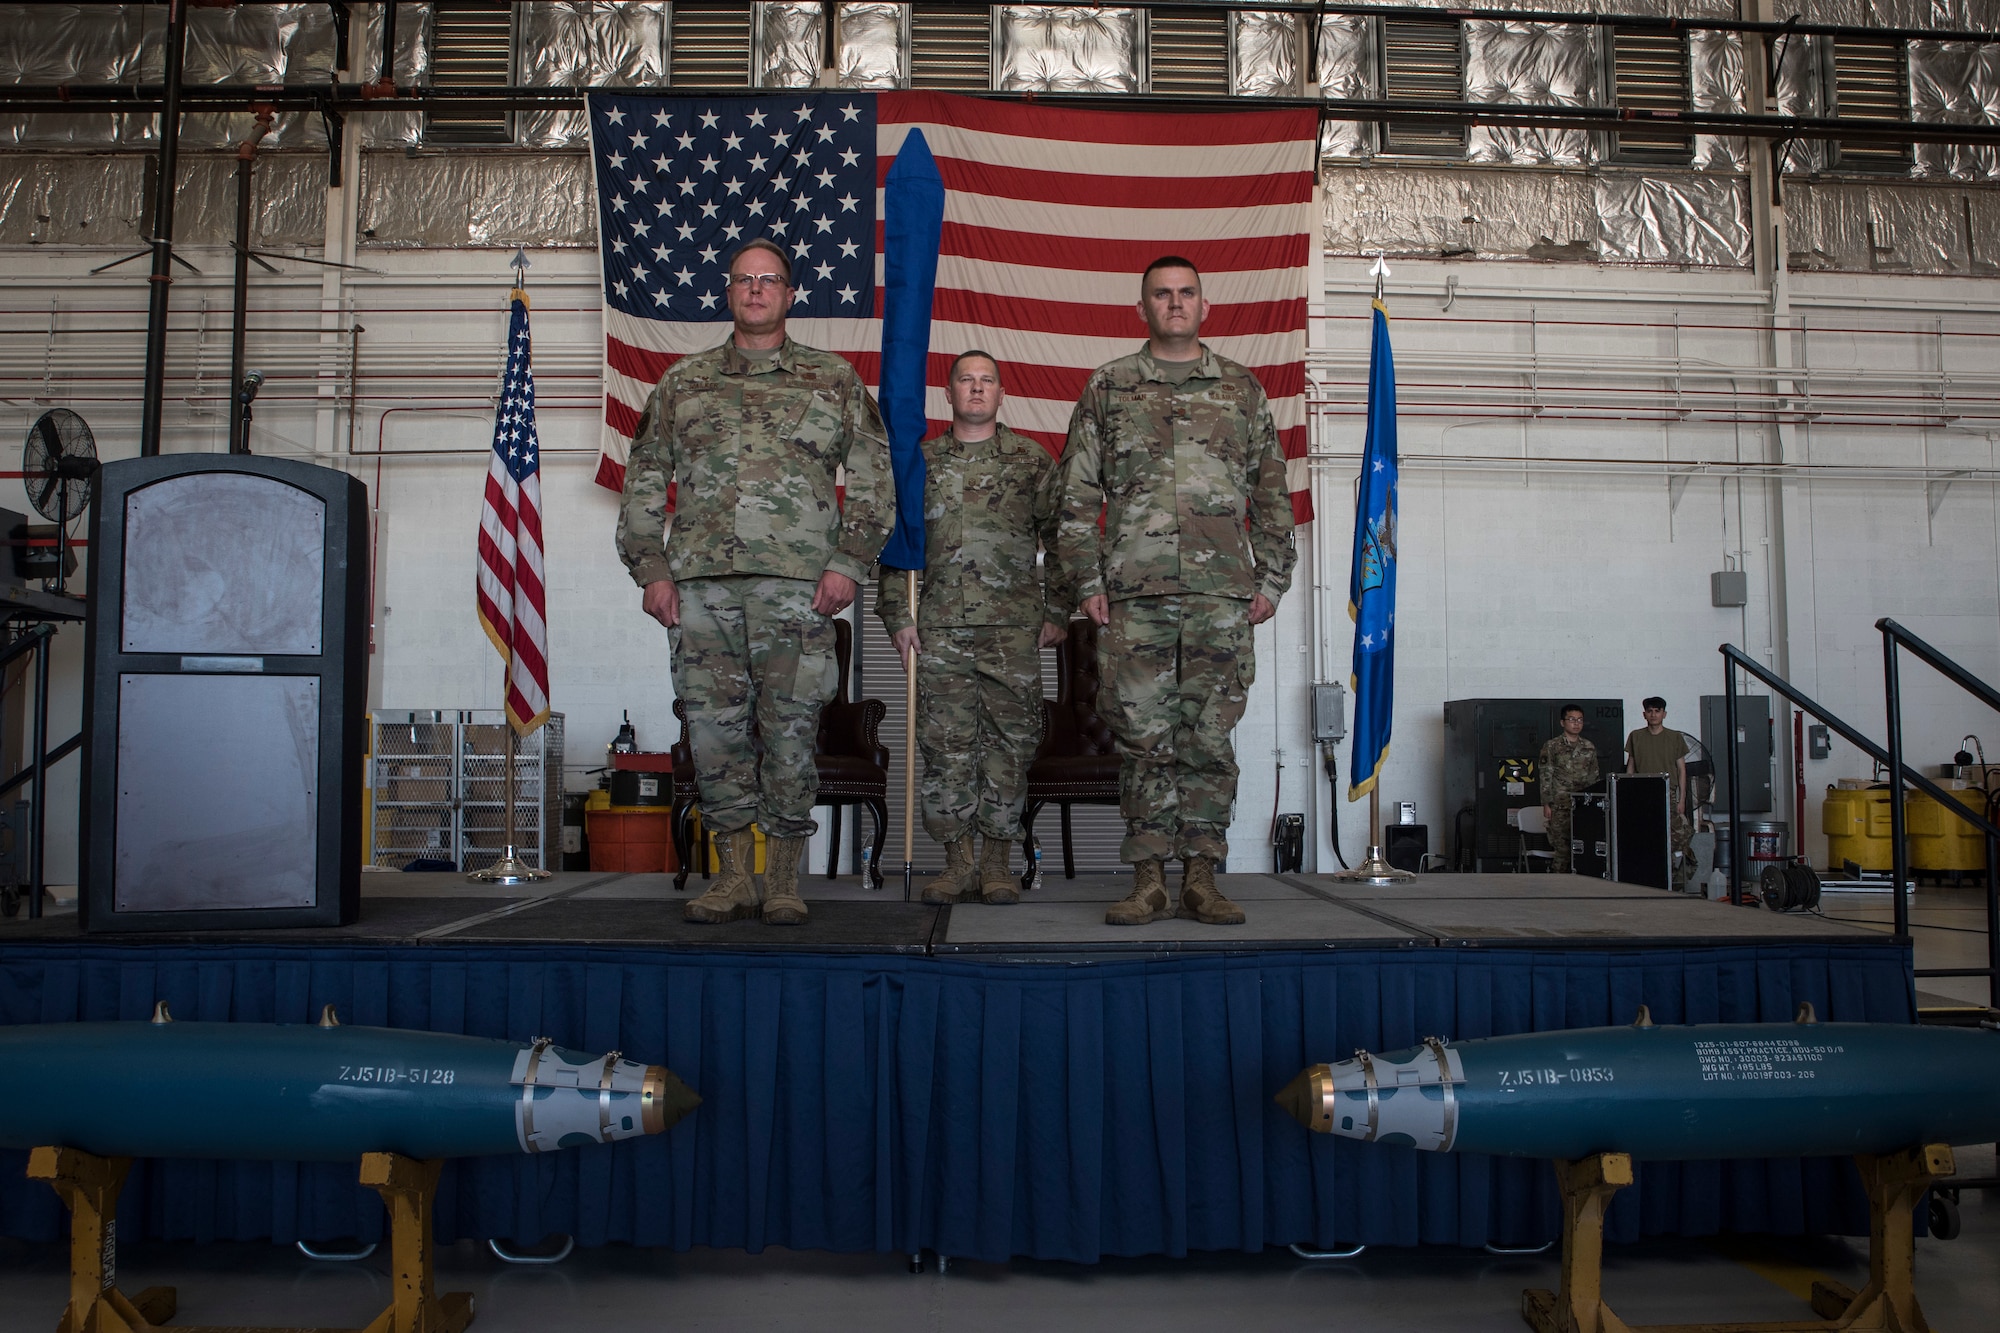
1051, 214
512, 601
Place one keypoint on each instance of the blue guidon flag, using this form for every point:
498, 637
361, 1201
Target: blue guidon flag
1371, 585
912, 221
1049, 215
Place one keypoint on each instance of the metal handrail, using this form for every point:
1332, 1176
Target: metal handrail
1943, 665
1734, 656
1894, 636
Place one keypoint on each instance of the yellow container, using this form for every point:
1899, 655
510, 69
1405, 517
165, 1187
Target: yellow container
1857, 828
1939, 839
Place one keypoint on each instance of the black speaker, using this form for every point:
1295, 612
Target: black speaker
1404, 846
1642, 846
225, 686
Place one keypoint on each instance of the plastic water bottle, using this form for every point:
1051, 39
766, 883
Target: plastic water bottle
867, 855
1035, 880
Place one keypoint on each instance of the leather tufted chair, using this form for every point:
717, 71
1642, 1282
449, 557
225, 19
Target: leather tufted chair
1077, 761
853, 768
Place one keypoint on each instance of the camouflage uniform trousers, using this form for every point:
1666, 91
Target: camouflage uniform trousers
979, 718
1682, 832
1177, 671
1559, 833
753, 661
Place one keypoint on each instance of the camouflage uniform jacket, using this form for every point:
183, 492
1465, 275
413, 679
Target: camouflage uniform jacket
1565, 767
1189, 479
986, 506
753, 449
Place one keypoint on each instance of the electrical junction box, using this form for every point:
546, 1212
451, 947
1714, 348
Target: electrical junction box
1329, 713
1729, 587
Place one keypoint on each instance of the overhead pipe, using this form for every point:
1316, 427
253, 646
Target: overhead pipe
239, 331
1642, 22
162, 239
341, 99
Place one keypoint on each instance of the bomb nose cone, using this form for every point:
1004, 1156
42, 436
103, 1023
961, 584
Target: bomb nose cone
664, 1100
1307, 1098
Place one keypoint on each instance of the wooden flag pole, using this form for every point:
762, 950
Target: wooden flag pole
910, 751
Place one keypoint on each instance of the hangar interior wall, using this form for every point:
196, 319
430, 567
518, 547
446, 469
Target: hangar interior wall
1560, 514
1599, 406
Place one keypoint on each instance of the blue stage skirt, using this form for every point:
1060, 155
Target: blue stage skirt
982, 1110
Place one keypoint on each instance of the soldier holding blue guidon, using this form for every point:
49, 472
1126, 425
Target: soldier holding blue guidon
980, 621
762, 554
1175, 448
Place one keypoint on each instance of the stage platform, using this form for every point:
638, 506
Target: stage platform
1062, 918
979, 1081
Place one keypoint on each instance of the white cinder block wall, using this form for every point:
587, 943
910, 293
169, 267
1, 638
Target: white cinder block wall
1520, 575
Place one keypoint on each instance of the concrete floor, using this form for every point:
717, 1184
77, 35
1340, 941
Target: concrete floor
615, 1289
1947, 929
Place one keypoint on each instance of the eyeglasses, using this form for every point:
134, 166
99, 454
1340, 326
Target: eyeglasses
743, 282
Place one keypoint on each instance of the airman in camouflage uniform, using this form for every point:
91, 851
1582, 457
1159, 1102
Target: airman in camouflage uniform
761, 555
1568, 764
1658, 748
1175, 447
990, 497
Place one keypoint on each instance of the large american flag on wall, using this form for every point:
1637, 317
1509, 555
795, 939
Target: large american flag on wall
1051, 214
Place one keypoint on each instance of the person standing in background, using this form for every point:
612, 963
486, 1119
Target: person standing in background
1568, 764
1658, 748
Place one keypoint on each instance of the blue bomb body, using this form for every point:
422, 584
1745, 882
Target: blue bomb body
300, 1092
1661, 1093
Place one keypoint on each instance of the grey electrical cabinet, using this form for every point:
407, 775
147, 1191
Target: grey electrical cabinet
1752, 748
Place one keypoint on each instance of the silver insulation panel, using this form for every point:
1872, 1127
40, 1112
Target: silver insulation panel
1069, 49
478, 199
1346, 71
99, 199
872, 44
1444, 212
1701, 220
1890, 227
281, 44
1434, 211
1715, 85
582, 44
1540, 64
1263, 53
543, 198
786, 41
1955, 83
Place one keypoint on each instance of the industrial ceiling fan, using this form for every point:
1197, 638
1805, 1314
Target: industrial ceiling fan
59, 469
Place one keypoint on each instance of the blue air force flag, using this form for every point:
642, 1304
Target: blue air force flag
1371, 586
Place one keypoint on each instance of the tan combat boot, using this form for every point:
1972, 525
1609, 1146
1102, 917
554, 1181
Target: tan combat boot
959, 881
734, 896
782, 904
1146, 902
996, 884
1201, 900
